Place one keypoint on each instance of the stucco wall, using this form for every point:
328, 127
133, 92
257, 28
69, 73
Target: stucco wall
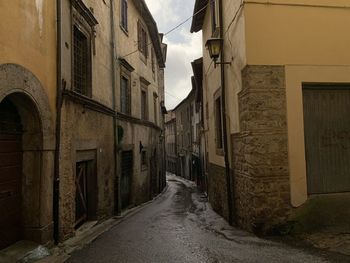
87, 132
28, 38
101, 61
301, 34
126, 43
295, 77
234, 45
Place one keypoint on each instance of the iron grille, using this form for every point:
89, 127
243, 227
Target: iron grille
81, 58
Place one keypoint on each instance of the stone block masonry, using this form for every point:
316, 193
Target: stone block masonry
260, 150
217, 189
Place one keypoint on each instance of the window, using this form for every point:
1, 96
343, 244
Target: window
142, 39
81, 62
144, 107
125, 95
214, 16
155, 107
218, 123
83, 23
152, 61
124, 15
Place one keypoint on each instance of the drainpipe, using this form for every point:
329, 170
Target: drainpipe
56, 181
230, 197
115, 124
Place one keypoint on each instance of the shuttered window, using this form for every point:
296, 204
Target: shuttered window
152, 61
124, 15
125, 95
144, 109
218, 123
142, 39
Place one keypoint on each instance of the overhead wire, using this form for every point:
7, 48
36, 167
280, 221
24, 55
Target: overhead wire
171, 30
234, 17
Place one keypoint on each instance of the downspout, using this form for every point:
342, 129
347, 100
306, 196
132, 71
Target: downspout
56, 181
115, 124
229, 184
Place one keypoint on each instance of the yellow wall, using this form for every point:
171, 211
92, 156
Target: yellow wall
310, 39
285, 34
28, 38
295, 77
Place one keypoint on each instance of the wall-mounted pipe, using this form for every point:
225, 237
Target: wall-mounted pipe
59, 100
117, 205
229, 184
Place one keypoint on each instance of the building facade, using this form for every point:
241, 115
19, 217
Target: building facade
140, 107
170, 139
199, 143
27, 120
81, 121
284, 91
183, 115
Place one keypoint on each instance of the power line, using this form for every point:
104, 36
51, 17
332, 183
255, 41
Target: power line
234, 17
171, 95
171, 30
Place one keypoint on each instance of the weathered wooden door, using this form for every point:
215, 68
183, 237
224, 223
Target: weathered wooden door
81, 193
11, 157
126, 175
327, 138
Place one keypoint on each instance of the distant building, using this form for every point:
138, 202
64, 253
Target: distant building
184, 114
199, 143
170, 140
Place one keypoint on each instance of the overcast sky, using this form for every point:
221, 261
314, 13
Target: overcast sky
183, 47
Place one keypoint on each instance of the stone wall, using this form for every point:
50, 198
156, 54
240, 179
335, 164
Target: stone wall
86, 135
260, 150
217, 191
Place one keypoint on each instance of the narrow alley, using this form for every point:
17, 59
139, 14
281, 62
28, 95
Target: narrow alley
174, 131
180, 227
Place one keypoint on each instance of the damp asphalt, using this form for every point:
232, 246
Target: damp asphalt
181, 227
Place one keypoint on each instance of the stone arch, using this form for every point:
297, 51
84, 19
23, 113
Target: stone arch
19, 86
17, 79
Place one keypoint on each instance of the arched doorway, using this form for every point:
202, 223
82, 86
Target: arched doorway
21, 162
11, 157
27, 130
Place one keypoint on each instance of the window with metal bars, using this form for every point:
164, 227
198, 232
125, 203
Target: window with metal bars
81, 78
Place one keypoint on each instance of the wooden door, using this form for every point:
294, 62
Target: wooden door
126, 175
11, 157
10, 189
327, 138
81, 196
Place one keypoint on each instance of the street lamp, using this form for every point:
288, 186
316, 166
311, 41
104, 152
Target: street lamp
214, 46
